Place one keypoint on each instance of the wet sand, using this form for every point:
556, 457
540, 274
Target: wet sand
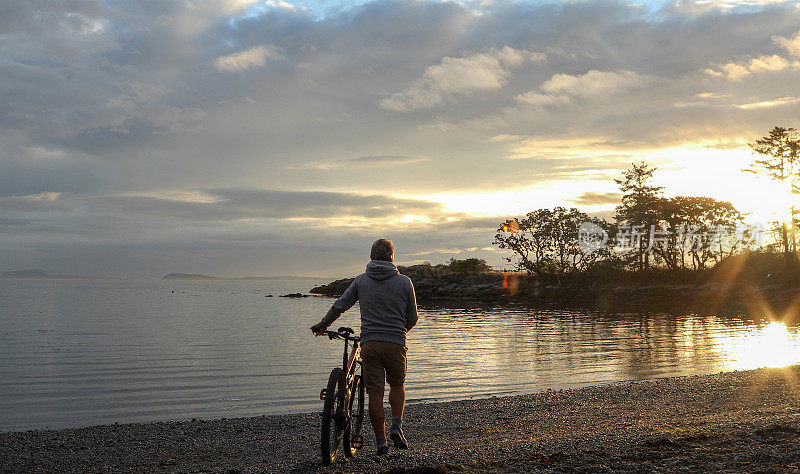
740, 421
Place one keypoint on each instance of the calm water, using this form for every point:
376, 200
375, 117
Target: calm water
82, 352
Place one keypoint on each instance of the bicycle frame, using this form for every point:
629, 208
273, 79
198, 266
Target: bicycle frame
349, 361
349, 364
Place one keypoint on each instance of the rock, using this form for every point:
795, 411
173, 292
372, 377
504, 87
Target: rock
294, 295
335, 288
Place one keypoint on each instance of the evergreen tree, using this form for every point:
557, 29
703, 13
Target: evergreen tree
639, 207
782, 151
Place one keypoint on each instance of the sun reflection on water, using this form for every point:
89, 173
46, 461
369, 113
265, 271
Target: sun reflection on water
772, 345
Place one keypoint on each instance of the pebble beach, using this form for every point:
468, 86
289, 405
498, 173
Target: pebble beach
738, 421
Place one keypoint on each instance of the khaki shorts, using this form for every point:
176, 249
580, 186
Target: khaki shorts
382, 360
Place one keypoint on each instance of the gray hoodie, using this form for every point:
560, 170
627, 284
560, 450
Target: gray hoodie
387, 300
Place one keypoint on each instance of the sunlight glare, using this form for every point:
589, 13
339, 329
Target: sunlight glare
773, 345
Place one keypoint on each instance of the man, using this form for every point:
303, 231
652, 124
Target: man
388, 312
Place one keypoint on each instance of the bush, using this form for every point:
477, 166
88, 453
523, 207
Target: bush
470, 265
462, 267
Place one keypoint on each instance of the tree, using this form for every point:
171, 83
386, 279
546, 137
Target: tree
702, 228
639, 206
782, 151
546, 241
675, 229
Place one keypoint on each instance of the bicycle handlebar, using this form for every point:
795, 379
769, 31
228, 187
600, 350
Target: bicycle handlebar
342, 333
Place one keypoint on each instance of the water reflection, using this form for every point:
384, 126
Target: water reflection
458, 353
770, 345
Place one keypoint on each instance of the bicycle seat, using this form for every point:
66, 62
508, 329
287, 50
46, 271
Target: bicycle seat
344, 330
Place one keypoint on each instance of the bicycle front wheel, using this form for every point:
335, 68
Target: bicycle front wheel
356, 410
332, 430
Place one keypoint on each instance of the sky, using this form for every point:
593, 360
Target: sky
240, 137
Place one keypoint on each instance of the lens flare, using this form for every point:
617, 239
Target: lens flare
510, 284
511, 226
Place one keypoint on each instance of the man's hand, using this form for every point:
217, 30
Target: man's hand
318, 329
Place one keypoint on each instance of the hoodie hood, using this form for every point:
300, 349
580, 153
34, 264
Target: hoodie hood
381, 270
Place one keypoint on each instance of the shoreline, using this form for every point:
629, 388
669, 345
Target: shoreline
411, 401
738, 421
744, 299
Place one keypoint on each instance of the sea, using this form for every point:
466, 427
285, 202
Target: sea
79, 352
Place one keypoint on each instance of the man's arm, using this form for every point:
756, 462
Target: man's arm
411, 308
345, 302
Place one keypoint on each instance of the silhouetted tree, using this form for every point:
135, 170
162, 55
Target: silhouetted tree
639, 207
546, 241
702, 228
782, 151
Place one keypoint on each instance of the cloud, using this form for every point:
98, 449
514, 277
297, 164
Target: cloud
237, 5
41, 202
595, 83
222, 228
281, 4
765, 63
769, 63
246, 203
252, 58
562, 89
36, 170
538, 99
363, 162
504, 137
770, 103
465, 75
543, 148
593, 199
791, 45
701, 7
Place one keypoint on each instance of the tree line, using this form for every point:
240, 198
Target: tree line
651, 230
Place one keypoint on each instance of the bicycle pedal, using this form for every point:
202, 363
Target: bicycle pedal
357, 441
323, 393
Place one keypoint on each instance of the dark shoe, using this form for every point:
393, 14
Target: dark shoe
382, 450
397, 437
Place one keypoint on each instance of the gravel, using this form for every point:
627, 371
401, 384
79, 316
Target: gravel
738, 421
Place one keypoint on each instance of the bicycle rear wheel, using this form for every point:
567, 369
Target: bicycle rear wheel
356, 417
332, 430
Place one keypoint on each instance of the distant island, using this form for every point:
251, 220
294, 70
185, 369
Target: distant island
194, 276
37, 273
188, 276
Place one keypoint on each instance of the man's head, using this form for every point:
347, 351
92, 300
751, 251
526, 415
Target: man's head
382, 249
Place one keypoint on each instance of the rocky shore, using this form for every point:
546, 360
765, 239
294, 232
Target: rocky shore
713, 296
481, 286
736, 422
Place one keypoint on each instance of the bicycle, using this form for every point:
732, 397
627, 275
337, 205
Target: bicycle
341, 421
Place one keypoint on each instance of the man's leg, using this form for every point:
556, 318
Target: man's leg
374, 374
397, 400
396, 376
376, 414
